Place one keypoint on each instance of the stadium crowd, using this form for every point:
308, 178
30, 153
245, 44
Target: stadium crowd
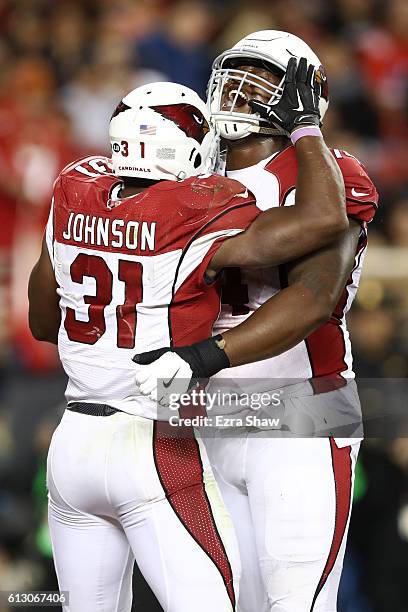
63, 68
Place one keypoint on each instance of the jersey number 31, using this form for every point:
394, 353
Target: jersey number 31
89, 332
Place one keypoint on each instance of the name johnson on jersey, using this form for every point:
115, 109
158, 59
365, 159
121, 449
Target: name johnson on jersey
115, 233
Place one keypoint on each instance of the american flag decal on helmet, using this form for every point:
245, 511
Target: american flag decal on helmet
187, 117
148, 130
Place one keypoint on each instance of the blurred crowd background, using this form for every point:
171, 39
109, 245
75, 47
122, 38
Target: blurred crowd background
64, 65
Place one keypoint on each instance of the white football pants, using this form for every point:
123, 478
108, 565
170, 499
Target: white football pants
290, 501
121, 488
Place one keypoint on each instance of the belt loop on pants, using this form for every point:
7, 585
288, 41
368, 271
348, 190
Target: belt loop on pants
92, 409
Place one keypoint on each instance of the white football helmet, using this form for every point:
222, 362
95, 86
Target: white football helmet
162, 131
269, 49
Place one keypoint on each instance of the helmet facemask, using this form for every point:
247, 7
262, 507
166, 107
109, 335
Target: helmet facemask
228, 81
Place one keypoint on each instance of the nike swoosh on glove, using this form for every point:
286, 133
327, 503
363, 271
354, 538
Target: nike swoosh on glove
165, 379
299, 103
158, 377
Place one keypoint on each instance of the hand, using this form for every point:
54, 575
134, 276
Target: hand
299, 104
173, 370
162, 375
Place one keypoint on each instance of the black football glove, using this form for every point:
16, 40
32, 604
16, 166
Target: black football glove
205, 358
299, 104
167, 372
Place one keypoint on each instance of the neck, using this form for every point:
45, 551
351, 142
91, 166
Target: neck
132, 186
252, 149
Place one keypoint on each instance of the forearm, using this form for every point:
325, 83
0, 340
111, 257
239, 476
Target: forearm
277, 326
44, 314
50, 336
315, 286
320, 193
42, 328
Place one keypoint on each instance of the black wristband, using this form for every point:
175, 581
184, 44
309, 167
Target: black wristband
206, 358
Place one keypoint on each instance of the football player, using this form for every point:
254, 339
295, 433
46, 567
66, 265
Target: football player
290, 499
128, 262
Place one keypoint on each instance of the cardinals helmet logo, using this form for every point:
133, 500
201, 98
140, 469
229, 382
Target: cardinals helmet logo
187, 117
121, 107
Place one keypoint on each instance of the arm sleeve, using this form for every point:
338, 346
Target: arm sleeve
361, 193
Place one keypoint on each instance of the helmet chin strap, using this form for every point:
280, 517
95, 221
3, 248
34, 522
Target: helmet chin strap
258, 129
251, 128
269, 131
173, 171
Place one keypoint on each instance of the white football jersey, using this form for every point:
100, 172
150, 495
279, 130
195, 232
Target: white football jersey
131, 272
327, 351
